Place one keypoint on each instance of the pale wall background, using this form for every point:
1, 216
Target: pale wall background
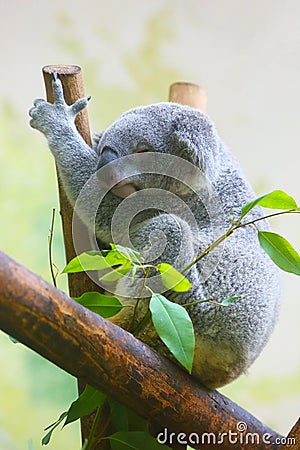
246, 55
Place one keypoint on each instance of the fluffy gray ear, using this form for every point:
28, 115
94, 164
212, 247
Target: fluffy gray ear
195, 139
96, 139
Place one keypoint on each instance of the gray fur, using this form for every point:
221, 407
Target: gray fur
228, 339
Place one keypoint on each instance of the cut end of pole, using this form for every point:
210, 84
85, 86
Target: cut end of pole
72, 82
62, 69
189, 94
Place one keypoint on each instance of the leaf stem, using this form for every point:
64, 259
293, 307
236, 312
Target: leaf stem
197, 302
142, 323
146, 273
91, 438
210, 248
290, 211
234, 226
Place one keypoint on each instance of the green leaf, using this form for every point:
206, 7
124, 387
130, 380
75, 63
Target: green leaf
230, 300
116, 258
131, 255
87, 261
104, 305
119, 415
96, 261
88, 400
175, 328
47, 437
280, 251
274, 200
172, 279
134, 440
57, 422
136, 422
116, 274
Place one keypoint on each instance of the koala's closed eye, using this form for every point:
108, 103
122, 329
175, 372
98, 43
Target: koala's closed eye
143, 148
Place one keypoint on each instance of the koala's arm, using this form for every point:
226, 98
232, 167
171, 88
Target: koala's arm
165, 238
76, 161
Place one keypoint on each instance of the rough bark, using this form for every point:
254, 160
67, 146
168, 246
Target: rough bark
113, 361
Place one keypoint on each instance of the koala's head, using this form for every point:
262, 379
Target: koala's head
166, 128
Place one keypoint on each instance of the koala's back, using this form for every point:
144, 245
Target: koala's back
229, 339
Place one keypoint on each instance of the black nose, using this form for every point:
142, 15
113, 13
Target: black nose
108, 154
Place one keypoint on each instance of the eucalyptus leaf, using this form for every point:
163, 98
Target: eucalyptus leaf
132, 255
47, 437
116, 258
87, 401
119, 415
104, 305
57, 422
230, 300
175, 328
136, 422
173, 279
280, 251
117, 274
87, 261
134, 440
274, 200
51, 428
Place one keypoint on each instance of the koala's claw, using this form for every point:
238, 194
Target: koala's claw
55, 76
58, 93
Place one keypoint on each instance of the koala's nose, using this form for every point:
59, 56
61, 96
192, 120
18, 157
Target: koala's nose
107, 155
107, 176
110, 176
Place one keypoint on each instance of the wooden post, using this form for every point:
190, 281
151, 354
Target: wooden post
189, 94
71, 78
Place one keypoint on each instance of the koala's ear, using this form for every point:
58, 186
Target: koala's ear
195, 138
96, 139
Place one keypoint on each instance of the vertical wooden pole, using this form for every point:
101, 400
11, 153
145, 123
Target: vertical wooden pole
71, 78
189, 94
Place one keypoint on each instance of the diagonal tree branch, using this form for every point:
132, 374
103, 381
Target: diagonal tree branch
112, 360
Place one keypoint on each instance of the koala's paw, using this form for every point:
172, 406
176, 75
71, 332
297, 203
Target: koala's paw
51, 118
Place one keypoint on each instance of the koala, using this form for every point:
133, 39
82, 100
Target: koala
188, 204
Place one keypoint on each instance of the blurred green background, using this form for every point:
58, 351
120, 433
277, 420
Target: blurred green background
246, 55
